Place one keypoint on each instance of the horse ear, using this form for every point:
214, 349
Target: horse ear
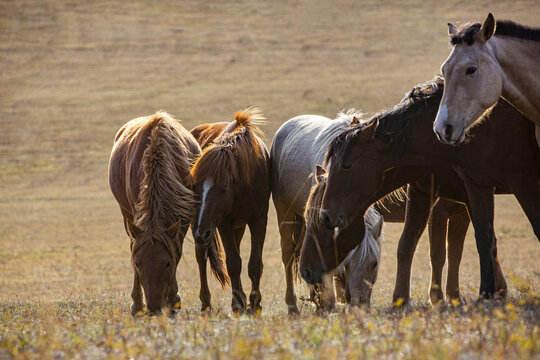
452, 30
173, 230
134, 231
320, 173
488, 28
355, 121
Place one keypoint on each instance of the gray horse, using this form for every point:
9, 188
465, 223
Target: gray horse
298, 146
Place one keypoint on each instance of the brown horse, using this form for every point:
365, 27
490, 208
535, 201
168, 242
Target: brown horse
231, 176
499, 154
488, 61
149, 177
448, 216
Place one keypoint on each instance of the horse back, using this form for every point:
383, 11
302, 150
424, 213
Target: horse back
125, 164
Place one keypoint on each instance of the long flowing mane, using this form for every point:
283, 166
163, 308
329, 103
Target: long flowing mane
392, 125
163, 198
234, 156
467, 32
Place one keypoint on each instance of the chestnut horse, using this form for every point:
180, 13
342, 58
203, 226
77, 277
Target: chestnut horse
149, 178
231, 177
488, 61
298, 146
500, 154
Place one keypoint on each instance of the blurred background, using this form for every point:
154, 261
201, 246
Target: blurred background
72, 73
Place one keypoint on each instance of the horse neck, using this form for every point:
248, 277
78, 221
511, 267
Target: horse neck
520, 64
424, 150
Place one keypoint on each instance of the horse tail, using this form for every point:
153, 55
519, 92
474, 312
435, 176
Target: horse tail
216, 255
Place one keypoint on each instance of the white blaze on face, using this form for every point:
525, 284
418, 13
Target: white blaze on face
440, 120
207, 185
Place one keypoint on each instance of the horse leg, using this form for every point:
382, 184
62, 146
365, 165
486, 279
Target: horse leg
136, 295
500, 282
437, 248
527, 193
416, 217
328, 298
340, 282
234, 266
255, 265
173, 299
458, 224
286, 230
204, 293
481, 209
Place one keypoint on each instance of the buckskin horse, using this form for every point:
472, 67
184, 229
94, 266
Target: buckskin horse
149, 178
232, 179
488, 61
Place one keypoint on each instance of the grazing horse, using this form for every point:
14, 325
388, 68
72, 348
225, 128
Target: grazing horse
298, 146
149, 178
501, 155
488, 61
232, 179
357, 273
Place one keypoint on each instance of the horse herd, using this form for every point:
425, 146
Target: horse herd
333, 181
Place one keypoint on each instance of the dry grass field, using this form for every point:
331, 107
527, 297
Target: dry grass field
71, 73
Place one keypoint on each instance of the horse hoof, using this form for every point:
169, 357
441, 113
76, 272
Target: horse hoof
293, 310
238, 310
436, 296
400, 303
137, 310
206, 309
176, 304
254, 310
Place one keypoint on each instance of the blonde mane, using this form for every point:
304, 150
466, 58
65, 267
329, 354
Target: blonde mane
233, 157
164, 199
369, 248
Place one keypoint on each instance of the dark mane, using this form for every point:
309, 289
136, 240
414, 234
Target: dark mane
467, 32
510, 28
393, 125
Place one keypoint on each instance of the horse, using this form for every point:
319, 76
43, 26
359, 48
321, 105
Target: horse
232, 179
298, 146
488, 61
149, 178
365, 162
357, 273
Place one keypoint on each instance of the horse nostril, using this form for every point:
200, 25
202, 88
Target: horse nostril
448, 132
306, 275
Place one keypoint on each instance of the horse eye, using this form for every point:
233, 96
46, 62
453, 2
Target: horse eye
169, 264
470, 70
347, 166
